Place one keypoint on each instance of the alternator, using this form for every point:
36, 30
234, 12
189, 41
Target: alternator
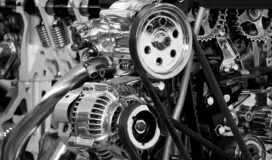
88, 118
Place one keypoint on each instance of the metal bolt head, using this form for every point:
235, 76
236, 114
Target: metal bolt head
140, 126
227, 98
95, 144
210, 100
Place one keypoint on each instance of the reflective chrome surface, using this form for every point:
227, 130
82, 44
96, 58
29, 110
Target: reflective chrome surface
164, 41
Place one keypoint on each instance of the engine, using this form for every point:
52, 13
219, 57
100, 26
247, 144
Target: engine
153, 79
237, 45
93, 113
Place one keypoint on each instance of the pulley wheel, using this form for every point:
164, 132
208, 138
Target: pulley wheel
161, 39
140, 126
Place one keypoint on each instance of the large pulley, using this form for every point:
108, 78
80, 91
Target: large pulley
161, 38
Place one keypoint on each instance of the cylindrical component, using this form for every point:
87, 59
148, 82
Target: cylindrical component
92, 7
44, 37
59, 35
107, 72
59, 8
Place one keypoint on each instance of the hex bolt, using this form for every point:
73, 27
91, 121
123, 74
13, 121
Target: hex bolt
140, 126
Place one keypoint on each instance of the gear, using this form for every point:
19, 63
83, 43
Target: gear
253, 23
212, 23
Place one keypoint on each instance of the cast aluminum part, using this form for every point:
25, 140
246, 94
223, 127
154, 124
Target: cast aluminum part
229, 54
109, 33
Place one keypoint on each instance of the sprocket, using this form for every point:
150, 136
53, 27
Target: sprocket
253, 24
212, 22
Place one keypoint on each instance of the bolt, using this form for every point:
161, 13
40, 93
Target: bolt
221, 130
226, 69
227, 98
140, 126
74, 47
166, 41
95, 144
210, 100
235, 67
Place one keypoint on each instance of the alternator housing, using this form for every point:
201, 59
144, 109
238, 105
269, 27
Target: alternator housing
88, 118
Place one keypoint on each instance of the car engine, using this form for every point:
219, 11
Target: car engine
136, 79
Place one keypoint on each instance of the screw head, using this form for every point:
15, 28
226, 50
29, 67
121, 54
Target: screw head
140, 126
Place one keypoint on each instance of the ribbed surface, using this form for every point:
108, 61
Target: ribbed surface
104, 154
261, 125
96, 115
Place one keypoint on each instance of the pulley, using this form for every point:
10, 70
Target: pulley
140, 126
161, 38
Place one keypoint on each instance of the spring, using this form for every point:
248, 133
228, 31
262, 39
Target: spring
44, 37
59, 35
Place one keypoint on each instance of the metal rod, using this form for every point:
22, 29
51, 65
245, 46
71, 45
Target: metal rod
219, 97
184, 86
33, 119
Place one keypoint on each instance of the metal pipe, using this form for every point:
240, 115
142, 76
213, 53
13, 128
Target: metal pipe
184, 86
33, 119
